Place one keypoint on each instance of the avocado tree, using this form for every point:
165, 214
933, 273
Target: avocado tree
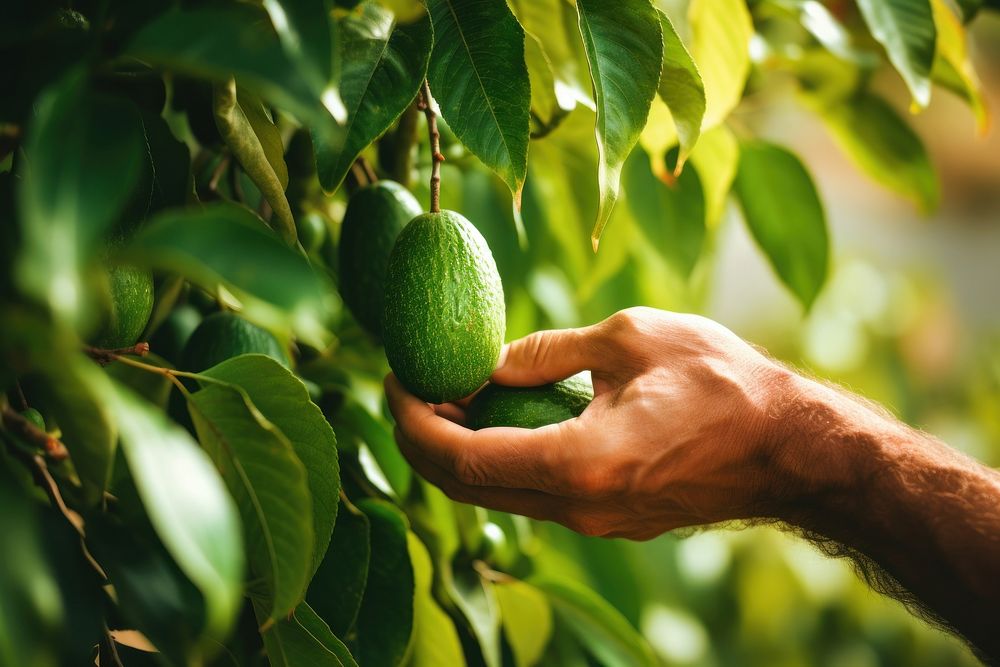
197, 464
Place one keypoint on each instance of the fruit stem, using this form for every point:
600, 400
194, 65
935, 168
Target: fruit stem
424, 104
105, 357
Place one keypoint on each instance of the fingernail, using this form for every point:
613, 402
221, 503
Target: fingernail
503, 356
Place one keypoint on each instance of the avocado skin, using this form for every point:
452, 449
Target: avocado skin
444, 316
374, 217
131, 305
529, 407
222, 336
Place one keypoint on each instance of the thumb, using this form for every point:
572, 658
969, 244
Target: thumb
547, 356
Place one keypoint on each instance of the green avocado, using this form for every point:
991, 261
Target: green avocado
375, 215
529, 407
444, 315
170, 337
131, 304
35, 417
225, 335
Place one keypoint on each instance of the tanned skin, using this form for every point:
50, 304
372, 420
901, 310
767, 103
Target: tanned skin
690, 425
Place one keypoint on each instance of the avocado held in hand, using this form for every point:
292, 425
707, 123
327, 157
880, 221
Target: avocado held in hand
375, 215
529, 407
444, 315
131, 303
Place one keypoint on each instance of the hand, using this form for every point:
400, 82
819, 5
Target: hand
678, 434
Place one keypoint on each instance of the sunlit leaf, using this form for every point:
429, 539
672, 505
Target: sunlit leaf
303, 639
338, 586
596, 624
187, 504
785, 216
953, 66
478, 77
375, 433
885, 147
475, 598
269, 483
681, 89
247, 129
435, 640
385, 622
283, 400
381, 78
906, 29
624, 46
716, 158
527, 620
720, 43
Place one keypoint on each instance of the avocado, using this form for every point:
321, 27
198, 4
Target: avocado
131, 304
374, 217
529, 407
171, 336
444, 315
35, 417
225, 335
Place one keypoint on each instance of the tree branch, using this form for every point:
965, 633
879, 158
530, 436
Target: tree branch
424, 104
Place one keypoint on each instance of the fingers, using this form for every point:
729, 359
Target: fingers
503, 457
549, 356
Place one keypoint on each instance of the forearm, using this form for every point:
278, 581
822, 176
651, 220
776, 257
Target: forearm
927, 515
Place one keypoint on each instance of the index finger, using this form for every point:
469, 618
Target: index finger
513, 458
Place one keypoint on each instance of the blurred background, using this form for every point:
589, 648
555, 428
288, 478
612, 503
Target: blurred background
909, 317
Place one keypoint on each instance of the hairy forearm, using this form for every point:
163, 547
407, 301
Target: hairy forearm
901, 504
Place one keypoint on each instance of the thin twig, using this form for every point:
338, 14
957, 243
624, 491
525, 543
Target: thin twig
105, 357
116, 659
435, 137
20, 426
20, 395
368, 169
359, 174
220, 169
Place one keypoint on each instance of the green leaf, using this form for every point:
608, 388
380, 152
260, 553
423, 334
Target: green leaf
83, 152
250, 133
435, 640
596, 624
906, 29
478, 77
716, 158
953, 66
527, 620
785, 216
301, 640
74, 392
377, 434
226, 243
385, 621
885, 147
720, 43
474, 596
263, 474
381, 78
237, 39
671, 216
681, 89
284, 401
338, 586
624, 46
187, 503
548, 106
306, 31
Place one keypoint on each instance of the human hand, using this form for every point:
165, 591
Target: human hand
681, 430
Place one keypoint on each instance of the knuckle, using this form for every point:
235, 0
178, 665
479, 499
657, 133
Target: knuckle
587, 524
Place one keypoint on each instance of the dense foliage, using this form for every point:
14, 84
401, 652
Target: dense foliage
242, 500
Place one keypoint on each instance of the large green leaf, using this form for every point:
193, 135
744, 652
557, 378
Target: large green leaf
187, 504
885, 147
716, 158
225, 242
474, 596
624, 46
785, 216
681, 89
83, 151
385, 621
527, 620
906, 29
237, 39
381, 78
479, 79
74, 393
284, 401
671, 216
301, 640
338, 586
435, 640
246, 126
720, 43
596, 624
268, 481
356, 420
